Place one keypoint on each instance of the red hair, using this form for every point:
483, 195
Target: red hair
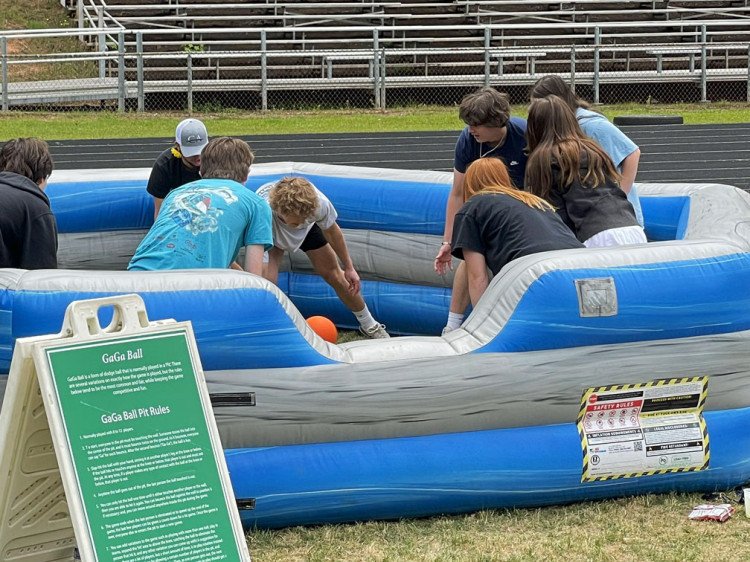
490, 175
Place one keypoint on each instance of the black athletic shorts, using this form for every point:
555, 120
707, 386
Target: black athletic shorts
314, 239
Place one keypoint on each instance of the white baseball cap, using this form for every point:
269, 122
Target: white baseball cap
192, 136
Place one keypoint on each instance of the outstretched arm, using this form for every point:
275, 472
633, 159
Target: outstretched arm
157, 206
254, 259
476, 269
271, 269
455, 201
629, 168
335, 238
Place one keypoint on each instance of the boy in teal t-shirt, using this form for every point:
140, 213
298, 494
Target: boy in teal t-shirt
205, 223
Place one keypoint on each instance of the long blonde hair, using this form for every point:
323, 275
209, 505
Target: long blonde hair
490, 175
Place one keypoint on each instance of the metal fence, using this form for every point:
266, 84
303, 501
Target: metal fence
110, 67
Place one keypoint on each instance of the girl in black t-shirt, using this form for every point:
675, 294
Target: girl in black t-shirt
577, 177
499, 223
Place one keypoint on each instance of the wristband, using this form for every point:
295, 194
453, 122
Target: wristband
445, 244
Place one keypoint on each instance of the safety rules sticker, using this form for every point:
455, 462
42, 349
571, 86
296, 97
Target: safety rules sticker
643, 429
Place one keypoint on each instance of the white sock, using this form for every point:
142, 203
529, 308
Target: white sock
454, 320
364, 318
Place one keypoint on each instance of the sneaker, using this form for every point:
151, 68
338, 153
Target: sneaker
376, 332
446, 330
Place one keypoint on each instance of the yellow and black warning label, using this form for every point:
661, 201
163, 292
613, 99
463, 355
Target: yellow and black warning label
643, 429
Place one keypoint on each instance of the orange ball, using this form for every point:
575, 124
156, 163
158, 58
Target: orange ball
324, 328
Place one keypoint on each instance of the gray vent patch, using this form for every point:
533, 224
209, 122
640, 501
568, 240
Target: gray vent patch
596, 297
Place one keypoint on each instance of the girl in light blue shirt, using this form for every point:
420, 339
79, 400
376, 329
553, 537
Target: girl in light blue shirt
623, 151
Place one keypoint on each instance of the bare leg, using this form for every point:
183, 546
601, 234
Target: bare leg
460, 294
326, 265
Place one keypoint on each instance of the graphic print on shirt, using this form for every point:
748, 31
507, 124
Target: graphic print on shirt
195, 212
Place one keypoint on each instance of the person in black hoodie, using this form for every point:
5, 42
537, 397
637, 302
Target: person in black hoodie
28, 231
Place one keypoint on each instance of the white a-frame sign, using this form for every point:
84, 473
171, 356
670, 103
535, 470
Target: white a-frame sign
109, 448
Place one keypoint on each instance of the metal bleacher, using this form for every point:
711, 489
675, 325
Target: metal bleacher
153, 47
409, 26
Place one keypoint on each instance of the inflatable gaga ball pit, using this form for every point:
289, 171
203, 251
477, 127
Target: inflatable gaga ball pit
491, 415
324, 328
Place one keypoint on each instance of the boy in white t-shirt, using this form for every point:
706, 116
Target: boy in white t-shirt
304, 219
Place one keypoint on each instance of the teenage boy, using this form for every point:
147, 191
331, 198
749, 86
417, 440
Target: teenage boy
179, 164
28, 231
304, 219
490, 133
204, 224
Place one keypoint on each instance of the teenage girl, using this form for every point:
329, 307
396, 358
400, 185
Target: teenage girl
624, 152
574, 174
498, 223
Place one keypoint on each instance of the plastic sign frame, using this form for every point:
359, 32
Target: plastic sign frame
110, 444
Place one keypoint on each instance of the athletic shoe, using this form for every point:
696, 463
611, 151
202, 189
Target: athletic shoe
446, 330
375, 332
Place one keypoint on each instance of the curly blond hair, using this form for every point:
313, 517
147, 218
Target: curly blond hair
294, 196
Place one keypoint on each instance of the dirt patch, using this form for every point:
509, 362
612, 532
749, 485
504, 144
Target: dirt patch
17, 46
27, 72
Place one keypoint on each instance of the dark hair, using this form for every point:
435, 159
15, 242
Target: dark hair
28, 157
555, 138
226, 158
553, 85
486, 107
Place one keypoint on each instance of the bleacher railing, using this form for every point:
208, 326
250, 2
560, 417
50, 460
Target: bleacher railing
367, 66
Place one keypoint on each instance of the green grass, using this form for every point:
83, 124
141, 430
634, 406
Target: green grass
346, 336
32, 14
101, 125
643, 528
42, 14
96, 125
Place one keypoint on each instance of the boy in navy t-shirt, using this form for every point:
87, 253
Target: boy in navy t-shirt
509, 149
490, 133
